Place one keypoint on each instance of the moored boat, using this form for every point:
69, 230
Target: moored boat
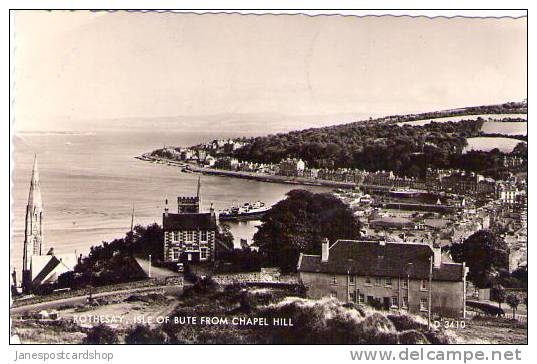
248, 211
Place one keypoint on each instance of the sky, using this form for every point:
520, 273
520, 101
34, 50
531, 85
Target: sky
85, 70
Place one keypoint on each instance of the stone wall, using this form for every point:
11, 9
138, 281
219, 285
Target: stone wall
255, 277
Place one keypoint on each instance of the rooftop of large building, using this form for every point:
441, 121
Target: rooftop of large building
193, 221
379, 259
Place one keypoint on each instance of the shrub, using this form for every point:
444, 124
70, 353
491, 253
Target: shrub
142, 334
202, 286
219, 336
405, 322
377, 329
412, 337
439, 337
101, 334
328, 321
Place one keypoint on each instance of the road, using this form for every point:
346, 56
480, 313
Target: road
168, 290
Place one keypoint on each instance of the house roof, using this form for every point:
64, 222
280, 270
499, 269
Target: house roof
47, 268
366, 258
193, 221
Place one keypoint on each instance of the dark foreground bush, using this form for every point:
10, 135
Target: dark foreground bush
142, 334
101, 334
412, 337
202, 286
404, 322
327, 321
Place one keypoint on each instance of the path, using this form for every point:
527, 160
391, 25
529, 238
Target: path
171, 290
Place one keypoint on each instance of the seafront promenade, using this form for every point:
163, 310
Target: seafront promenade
190, 167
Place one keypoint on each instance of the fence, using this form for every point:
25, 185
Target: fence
508, 315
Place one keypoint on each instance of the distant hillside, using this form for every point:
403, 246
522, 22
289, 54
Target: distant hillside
381, 144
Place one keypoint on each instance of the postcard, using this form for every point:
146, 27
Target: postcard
225, 177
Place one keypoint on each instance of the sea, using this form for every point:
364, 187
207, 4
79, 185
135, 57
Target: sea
90, 182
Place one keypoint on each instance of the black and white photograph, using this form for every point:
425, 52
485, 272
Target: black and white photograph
262, 178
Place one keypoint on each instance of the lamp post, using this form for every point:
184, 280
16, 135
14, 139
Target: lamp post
430, 292
149, 266
409, 267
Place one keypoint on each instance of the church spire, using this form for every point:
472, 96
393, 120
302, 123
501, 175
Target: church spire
34, 198
33, 232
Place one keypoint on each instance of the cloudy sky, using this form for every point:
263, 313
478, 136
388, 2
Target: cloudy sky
79, 70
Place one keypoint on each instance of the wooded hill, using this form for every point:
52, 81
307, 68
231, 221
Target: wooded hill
381, 144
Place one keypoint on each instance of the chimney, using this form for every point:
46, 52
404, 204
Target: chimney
211, 209
325, 250
166, 208
437, 258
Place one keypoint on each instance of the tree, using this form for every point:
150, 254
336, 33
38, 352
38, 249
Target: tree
513, 301
142, 334
225, 236
486, 254
101, 334
299, 223
521, 275
148, 240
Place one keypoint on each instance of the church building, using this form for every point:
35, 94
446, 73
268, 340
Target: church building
33, 231
39, 268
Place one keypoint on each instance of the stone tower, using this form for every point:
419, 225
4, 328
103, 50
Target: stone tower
190, 205
33, 232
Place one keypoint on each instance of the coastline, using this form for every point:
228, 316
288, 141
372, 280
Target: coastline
304, 181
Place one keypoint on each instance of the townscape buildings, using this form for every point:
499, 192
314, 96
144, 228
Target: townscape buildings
470, 201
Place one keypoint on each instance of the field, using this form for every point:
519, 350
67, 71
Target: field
464, 117
486, 144
510, 128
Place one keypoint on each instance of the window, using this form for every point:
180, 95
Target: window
176, 254
423, 285
424, 306
333, 280
405, 302
352, 281
395, 301
361, 298
368, 281
388, 282
204, 254
352, 296
378, 281
405, 283
204, 235
176, 235
189, 235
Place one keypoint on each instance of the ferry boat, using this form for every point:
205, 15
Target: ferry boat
404, 192
248, 211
